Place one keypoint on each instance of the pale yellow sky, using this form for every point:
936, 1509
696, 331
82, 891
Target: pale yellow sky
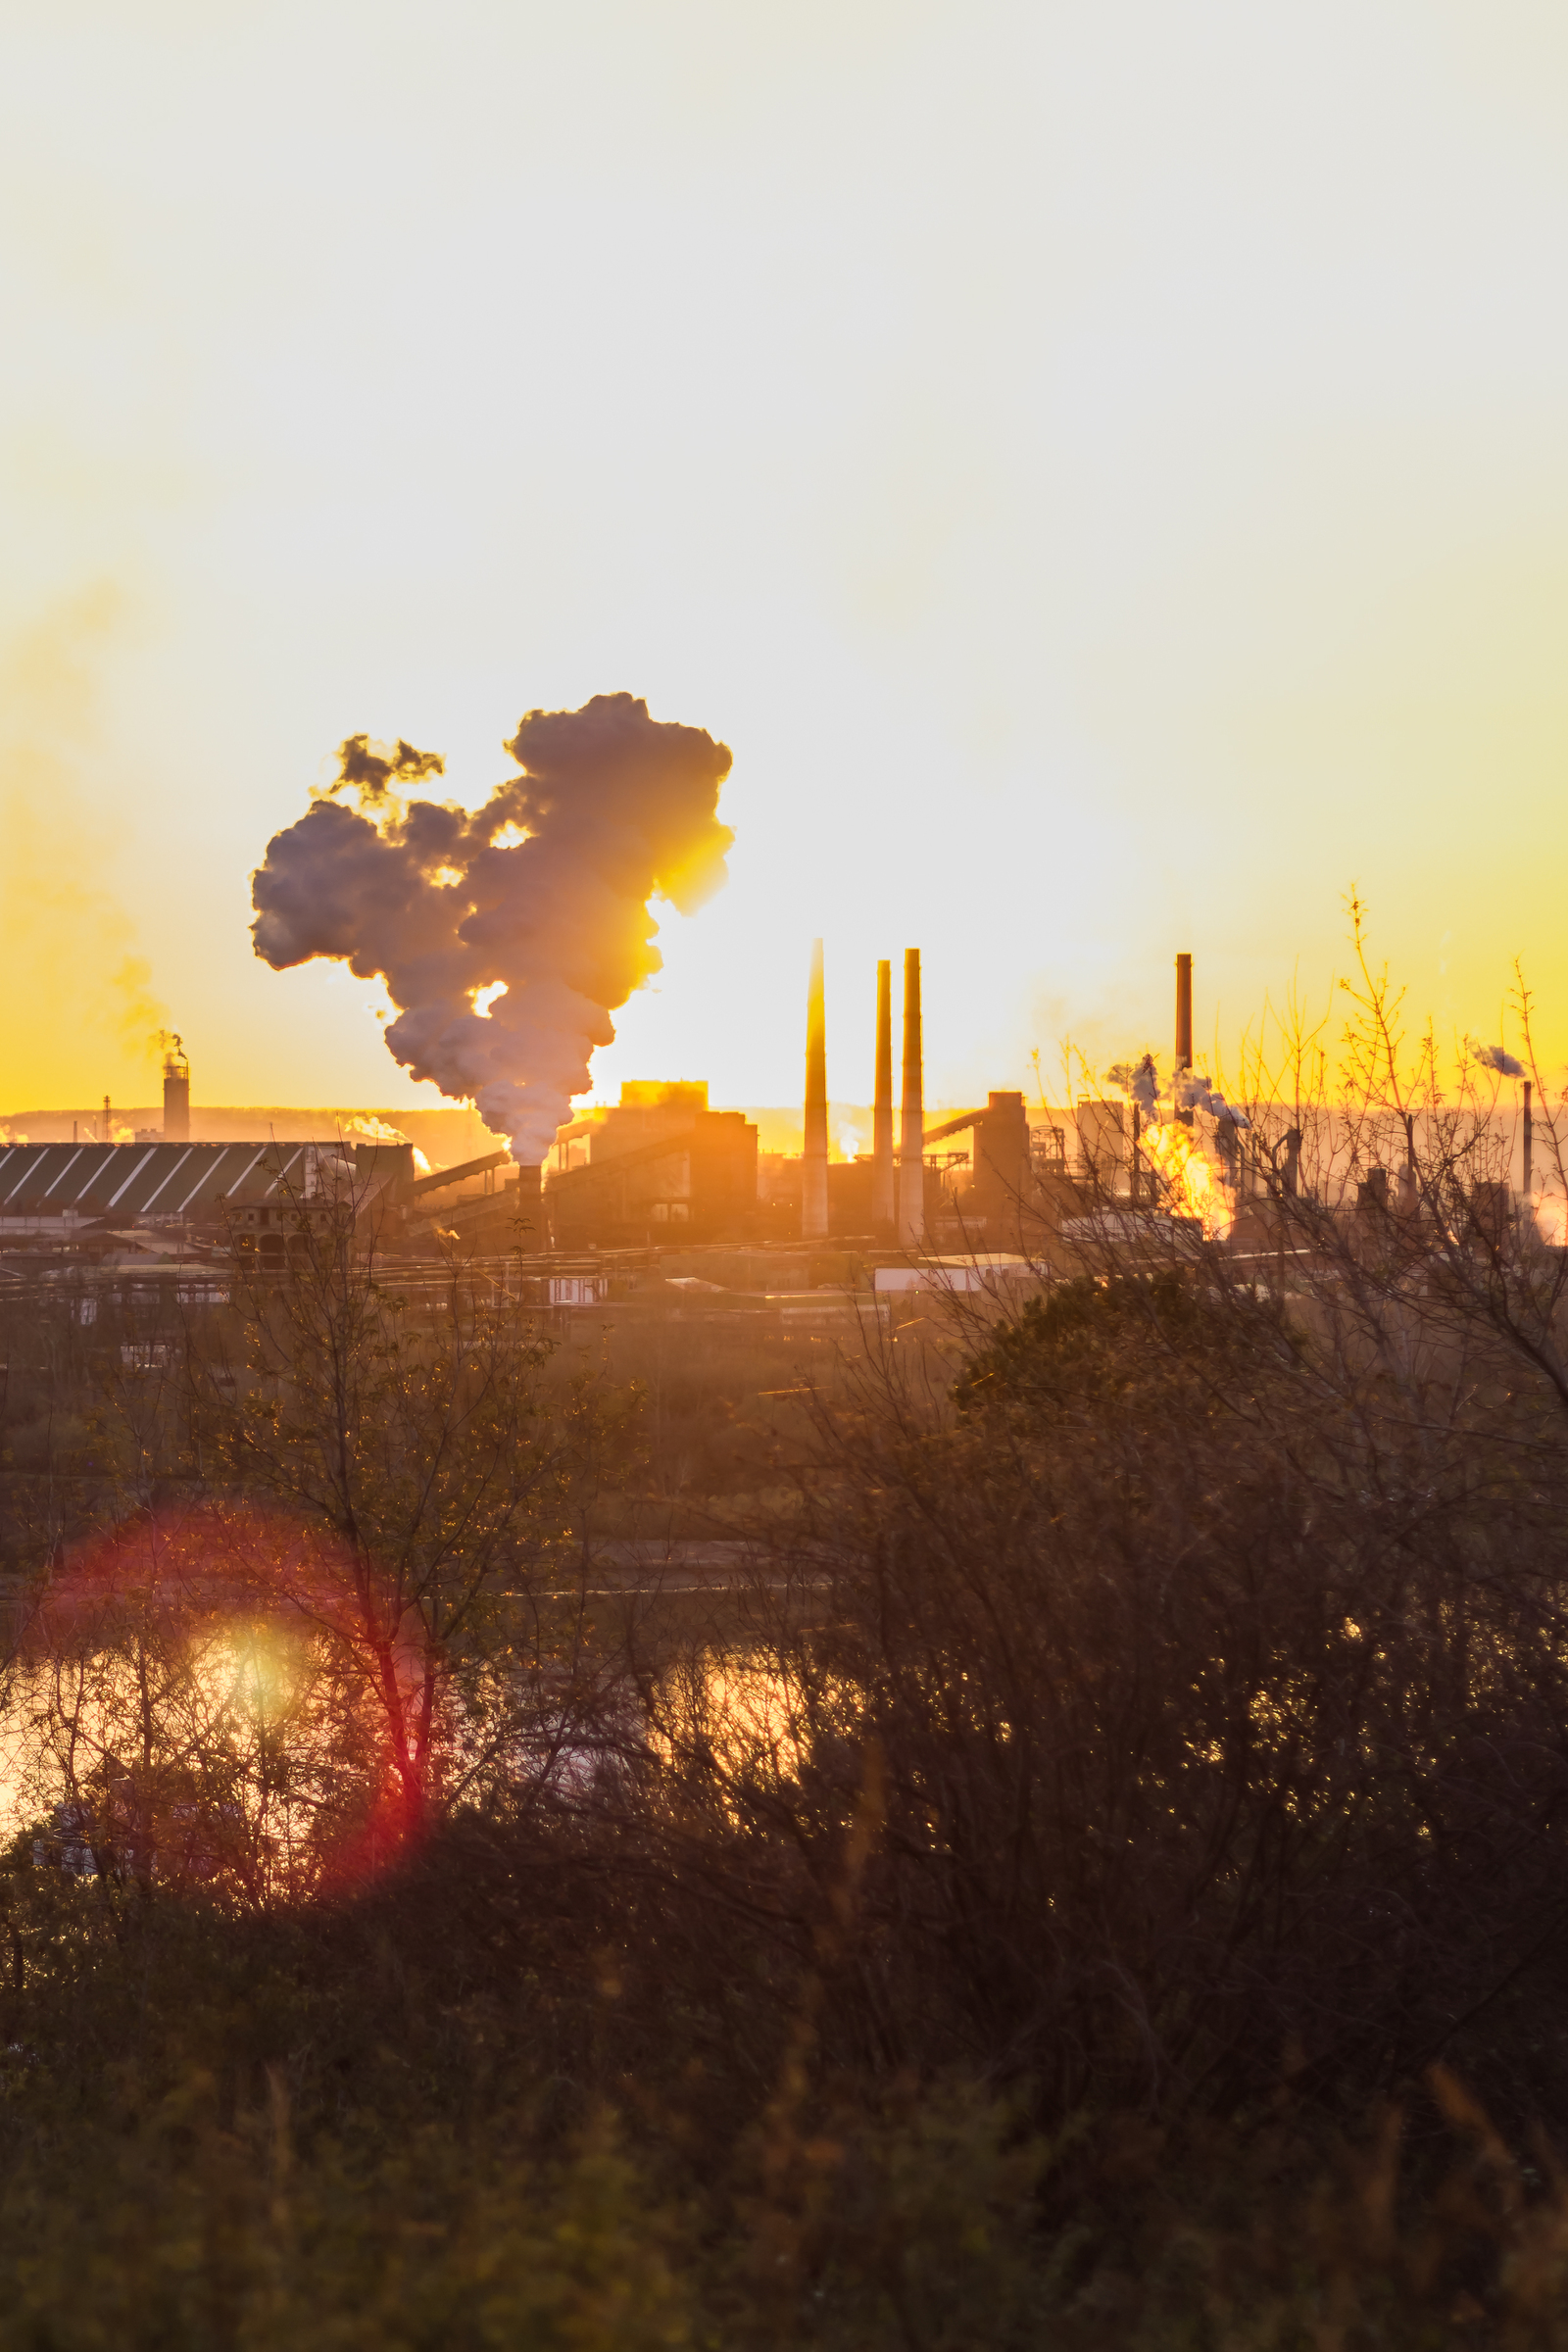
1101, 467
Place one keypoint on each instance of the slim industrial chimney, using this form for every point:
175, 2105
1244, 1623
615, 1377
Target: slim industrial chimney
1184, 1013
177, 1094
814, 1167
884, 1179
1183, 1031
912, 1128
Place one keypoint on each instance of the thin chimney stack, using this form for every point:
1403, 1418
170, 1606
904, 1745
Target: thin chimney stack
1184, 1013
912, 1131
1183, 1031
813, 1166
883, 1185
176, 1093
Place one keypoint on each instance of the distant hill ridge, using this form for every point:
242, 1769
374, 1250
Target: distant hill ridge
445, 1135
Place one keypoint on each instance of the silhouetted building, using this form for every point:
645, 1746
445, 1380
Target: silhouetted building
658, 1167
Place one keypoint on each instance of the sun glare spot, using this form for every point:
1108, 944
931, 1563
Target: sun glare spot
510, 836
484, 998
245, 1625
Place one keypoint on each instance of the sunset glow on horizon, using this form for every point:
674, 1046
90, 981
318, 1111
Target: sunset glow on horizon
1099, 472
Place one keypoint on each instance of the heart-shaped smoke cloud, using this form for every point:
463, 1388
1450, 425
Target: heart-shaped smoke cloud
545, 890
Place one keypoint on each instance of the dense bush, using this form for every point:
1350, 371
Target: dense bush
1216, 1709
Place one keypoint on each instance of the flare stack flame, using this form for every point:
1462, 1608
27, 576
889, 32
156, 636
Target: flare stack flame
1188, 1185
538, 902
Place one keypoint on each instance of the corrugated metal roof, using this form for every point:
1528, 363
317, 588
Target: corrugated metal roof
144, 1180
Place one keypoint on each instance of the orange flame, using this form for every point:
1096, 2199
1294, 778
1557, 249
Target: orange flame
1188, 1184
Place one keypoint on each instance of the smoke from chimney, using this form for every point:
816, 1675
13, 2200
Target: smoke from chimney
537, 903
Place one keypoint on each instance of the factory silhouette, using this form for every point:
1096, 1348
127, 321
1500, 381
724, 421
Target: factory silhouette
657, 1173
660, 1163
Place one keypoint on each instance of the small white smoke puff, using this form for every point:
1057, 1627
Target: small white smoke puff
1495, 1057
611, 808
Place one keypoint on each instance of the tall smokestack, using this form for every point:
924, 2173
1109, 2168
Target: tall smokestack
177, 1094
884, 1182
813, 1168
1184, 1013
912, 1129
1184, 1029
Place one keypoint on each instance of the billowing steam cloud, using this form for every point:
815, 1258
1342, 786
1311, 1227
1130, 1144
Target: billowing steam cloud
543, 891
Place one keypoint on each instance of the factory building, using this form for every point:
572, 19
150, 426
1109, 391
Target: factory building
261, 1199
658, 1166
49, 1185
60, 1190
1002, 1162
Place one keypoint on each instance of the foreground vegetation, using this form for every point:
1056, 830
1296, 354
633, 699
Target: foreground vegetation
1096, 1875
504, 2099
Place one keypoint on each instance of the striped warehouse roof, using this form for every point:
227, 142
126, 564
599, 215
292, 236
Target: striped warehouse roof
146, 1180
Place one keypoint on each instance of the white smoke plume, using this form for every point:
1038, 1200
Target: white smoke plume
537, 903
1190, 1090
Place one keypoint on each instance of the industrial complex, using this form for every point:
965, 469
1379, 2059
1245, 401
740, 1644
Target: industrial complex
658, 1179
660, 1208
660, 1167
